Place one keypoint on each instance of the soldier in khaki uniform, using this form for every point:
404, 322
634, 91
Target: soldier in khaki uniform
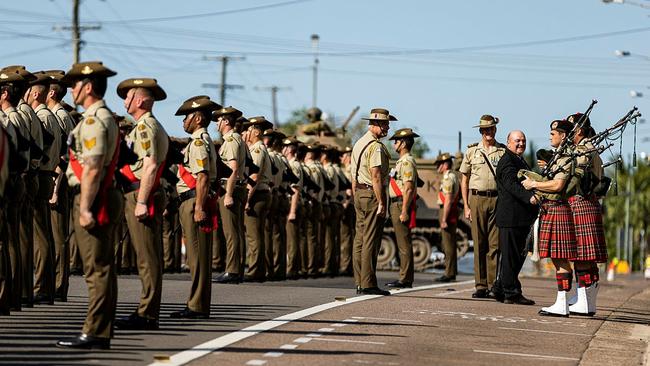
448, 195
259, 199
294, 218
231, 203
97, 206
197, 204
370, 177
478, 178
5, 267
348, 220
144, 197
275, 221
60, 202
332, 226
402, 193
44, 279
314, 217
12, 121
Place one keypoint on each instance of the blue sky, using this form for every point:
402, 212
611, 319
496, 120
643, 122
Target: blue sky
437, 65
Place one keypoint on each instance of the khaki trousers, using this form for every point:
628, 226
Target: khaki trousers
312, 234
486, 240
59, 217
449, 244
198, 246
280, 238
44, 276
404, 244
304, 241
254, 222
27, 236
218, 247
369, 229
232, 228
294, 253
14, 194
171, 240
332, 230
96, 251
5, 267
269, 224
347, 238
146, 237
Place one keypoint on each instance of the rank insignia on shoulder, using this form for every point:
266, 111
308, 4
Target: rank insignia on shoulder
146, 145
406, 163
408, 174
89, 121
202, 162
257, 151
90, 143
143, 135
198, 142
473, 145
141, 127
229, 139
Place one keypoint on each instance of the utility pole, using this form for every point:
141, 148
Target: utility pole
314, 45
274, 99
76, 31
224, 67
460, 141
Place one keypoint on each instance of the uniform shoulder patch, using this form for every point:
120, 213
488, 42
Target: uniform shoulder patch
473, 145
408, 174
406, 163
89, 121
257, 151
229, 139
141, 126
202, 162
146, 144
198, 142
90, 143
144, 135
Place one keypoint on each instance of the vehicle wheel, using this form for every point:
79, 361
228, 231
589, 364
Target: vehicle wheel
387, 252
462, 242
421, 252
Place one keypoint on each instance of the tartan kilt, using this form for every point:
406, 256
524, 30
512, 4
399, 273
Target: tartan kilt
557, 235
590, 235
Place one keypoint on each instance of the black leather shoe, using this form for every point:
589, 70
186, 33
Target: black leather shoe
76, 272
374, 291
60, 297
546, 313
254, 279
480, 294
136, 322
293, 276
85, 341
188, 314
358, 290
519, 300
445, 279
399, 284
4, 312
497, 295
232, 278
43, 299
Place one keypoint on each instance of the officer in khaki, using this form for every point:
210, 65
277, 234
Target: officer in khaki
313, 219
259, 199
92, 163
296, 210
478, 179
448, 203
197, 172
370, 177
402, 193
231, 204
144, 197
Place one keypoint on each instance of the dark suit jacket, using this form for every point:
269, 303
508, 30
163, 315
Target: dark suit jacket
513, 203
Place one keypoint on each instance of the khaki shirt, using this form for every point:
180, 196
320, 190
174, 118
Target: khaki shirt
332, 175
296, 168
315, 174
51, 125
148, 138
198, 157
9, 130
375, 155
475, 165
66, 122
261, 158
95, 135
233, 148
276, 178
450, 184
405, 171
16, 120
34, 126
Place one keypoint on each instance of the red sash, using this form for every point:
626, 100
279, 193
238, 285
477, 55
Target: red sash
128, 173
453, 211
211, 202
413, 206
101, 200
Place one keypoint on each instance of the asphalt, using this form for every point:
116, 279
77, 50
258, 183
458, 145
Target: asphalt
441, 325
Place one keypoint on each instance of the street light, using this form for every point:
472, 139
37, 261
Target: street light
314, 46
622, 53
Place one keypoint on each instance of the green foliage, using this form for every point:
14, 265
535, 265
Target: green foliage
298, 117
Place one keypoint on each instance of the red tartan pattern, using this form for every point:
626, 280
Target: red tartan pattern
557, 235
590, 234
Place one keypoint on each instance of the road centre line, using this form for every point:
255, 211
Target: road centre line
302, 340
216, 344
313, 335
530, 355
256, 362
326, 330
548, 331
289, 346
347, 341
337, 325
273, 354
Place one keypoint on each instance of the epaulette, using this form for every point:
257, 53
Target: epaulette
472, 145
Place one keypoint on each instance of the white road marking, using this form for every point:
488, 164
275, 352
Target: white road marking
216, 344
530, 355
548, 331
289, 346
256, 362
347, 341
302, 340
273, 354
325, 330
313, 335
450, 293
388, 319
338, 325
350, 320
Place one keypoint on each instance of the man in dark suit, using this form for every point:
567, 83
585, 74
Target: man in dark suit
516, 210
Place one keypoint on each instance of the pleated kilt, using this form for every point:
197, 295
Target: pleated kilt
557, 233
590, 234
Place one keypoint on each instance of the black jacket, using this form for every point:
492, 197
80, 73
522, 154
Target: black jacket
513, 203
